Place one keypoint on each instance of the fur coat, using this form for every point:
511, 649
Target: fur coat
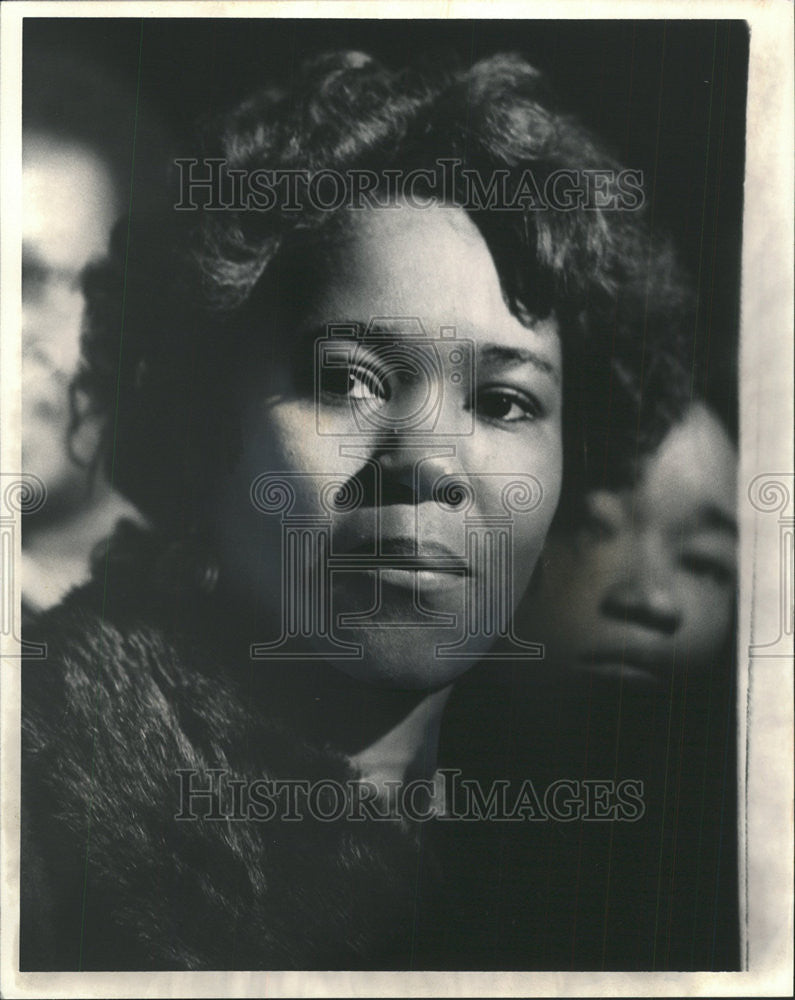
111, 880
135, 689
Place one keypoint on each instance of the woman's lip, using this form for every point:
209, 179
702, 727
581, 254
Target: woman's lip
400, 562
403, 552
417, 579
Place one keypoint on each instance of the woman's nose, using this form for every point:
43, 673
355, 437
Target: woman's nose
412, 470
644, 594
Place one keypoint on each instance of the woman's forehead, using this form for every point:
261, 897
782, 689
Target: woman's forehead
432, 264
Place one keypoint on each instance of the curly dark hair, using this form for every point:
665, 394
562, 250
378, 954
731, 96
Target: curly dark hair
173, 310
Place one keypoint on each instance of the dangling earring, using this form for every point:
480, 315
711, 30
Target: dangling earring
187, 565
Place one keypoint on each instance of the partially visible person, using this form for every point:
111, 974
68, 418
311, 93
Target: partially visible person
70, 202
78, 176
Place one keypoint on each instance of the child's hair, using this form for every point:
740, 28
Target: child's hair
172, 312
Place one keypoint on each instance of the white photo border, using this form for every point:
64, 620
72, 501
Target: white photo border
765, 670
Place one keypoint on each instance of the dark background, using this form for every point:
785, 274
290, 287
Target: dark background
669, 97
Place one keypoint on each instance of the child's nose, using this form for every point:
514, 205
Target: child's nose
644, 594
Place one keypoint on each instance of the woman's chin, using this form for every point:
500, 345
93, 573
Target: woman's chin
408, 660
396, 635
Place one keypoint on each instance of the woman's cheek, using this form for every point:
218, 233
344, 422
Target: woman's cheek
294, 442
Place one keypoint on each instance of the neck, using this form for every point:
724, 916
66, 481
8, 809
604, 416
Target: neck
56, 551
408, 751
389, 735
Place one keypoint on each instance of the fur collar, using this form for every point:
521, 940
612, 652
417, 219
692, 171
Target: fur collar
111, 880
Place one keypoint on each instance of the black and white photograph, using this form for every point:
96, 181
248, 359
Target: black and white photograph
397, 499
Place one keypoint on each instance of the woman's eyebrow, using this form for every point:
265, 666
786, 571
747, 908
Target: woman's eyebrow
514, 356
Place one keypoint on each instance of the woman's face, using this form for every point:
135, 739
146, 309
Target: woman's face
446, 383
649, 581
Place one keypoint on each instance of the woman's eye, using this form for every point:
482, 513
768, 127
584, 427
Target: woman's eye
365, 384
355, 383
707, 567
506, 405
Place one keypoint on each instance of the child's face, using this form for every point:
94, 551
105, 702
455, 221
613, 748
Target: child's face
374, 413
650, 580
